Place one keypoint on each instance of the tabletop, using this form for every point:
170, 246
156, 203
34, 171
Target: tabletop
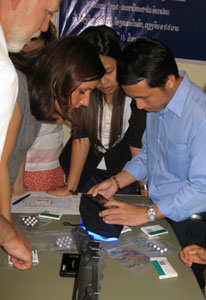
44, 282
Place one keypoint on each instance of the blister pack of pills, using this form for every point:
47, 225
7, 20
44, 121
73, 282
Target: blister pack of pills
29, 221
156, 246
64, 241
130, 257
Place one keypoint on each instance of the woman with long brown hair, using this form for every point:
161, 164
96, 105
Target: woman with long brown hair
52, 82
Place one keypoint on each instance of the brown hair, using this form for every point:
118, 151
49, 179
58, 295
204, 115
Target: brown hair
55, 71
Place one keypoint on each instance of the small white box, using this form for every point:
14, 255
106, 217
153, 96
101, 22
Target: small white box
163, 267
48, 215
155, 230
35, 259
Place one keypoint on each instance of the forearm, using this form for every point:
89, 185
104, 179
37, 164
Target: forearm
137, 166
5, 191
124, 178
7, 231
142, 185
80, 149
15, 244
19, 188
134, 151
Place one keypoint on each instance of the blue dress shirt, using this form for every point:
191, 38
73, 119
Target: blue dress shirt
173, 156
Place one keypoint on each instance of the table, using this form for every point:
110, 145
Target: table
44, 282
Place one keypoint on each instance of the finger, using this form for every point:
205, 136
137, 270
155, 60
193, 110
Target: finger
185, 255
109, 211
194, 249
114, 220
22, 265
186, 252
50, 192
186, 260
114, 214
188, 264
92, 190
183, 258
95, 191
181, 254
192, 252
191, 247
114, 203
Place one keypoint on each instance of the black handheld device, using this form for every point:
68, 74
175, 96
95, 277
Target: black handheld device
90, 208
70, 264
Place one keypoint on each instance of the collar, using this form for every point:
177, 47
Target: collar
3, 40
177, 103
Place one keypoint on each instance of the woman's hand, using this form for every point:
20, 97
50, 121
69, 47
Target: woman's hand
19, 190
60, 191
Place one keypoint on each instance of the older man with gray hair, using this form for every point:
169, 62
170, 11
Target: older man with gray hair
20, 20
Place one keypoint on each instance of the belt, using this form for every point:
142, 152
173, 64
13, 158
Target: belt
201, 217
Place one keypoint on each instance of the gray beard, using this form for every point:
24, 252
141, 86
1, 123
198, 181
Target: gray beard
15, 46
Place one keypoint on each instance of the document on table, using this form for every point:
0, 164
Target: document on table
39, 201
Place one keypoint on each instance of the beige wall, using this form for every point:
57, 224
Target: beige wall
196, 72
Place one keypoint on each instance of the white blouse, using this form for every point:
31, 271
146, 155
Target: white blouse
106, 124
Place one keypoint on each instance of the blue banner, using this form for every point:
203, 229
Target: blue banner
180, 24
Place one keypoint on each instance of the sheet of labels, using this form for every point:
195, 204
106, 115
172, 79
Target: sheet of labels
38, 202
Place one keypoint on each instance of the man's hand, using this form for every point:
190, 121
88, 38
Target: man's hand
193, 254
20, 250
16, 245
107, 188
124, 214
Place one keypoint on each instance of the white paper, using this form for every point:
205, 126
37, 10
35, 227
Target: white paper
38, 202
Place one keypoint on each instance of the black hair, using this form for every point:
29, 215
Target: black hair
149, 59
107, 43
105, 39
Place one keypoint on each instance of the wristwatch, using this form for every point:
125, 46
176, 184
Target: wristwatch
151, 213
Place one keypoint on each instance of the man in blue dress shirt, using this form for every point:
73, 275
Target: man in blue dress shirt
172, 158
